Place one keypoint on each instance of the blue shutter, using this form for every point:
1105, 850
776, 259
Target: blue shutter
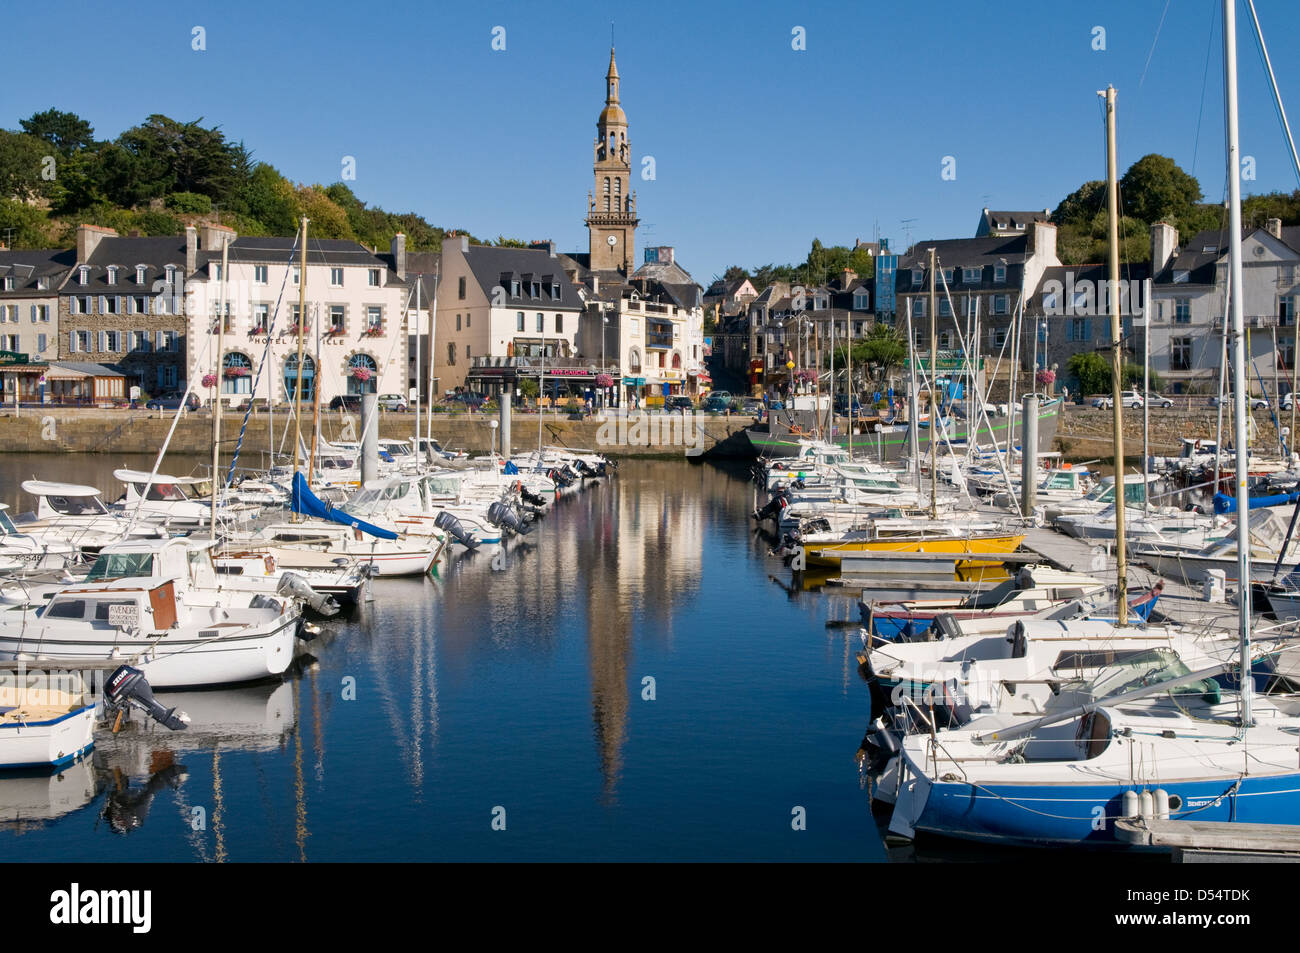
33, 314
72, 342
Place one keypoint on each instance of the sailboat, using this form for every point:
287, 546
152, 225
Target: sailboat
1143, 738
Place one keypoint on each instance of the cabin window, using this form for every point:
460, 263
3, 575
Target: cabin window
66, 609
120, 566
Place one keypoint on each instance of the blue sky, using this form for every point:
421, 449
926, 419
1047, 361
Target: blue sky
758, 147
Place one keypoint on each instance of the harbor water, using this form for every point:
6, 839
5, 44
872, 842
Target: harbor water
635, 680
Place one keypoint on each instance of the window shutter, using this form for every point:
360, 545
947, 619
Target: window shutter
33, 314
103, 304
72, 342
159, 341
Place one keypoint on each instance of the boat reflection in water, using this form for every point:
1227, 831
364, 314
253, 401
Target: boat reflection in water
144, 759
30, 799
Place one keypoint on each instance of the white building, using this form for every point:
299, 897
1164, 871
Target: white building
354, 336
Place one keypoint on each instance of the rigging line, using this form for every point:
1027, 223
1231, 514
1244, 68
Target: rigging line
1205, 75
1278, 108
266, 357
1154, 41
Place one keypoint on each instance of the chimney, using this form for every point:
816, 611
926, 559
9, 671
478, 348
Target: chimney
211, 236
1274, 226
464, 244
1164, 239
1044, 245
547, 246
398, 248
88, 237
191, 250
847, 277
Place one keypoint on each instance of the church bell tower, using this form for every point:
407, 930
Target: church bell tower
611, 207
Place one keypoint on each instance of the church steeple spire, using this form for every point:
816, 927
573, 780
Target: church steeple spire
611, 208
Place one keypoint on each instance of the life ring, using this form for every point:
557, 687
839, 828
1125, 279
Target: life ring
269, 562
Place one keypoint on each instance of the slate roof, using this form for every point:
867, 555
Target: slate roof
155, 253
993, 221
25, 266
491, 264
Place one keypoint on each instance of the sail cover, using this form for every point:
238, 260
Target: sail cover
1224, 504
309, 504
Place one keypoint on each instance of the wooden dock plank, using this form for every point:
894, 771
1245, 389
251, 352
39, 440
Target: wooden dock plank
1210, 835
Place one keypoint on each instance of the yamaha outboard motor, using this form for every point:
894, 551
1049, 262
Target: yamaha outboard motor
296, 587
532, 499
504, 515
448, 523
127, 688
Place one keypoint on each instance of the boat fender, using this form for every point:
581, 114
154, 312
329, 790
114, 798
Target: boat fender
1132, 804
1161, 802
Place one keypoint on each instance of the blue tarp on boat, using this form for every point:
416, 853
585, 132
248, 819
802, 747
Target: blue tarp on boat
304, 501
1228, 504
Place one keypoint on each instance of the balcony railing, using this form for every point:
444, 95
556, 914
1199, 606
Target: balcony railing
664, 341
535, 363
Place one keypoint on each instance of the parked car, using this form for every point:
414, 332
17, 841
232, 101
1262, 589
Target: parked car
679, 402
1127, 399
350, 402
716, 405
172, 401
751, 406
469, 399
721, 394
1158, 400
1287, 400
393, 402
1254, 403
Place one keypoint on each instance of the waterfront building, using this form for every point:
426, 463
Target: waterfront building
122, 305
1009, 223
354, 329
29, 317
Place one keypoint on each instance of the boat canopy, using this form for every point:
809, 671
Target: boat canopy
49, 488
306, 502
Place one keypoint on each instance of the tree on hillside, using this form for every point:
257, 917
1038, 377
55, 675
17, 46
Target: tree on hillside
271, 201
1155, 189
325, 218
734, 273
22, 159
67, 132
1081, 204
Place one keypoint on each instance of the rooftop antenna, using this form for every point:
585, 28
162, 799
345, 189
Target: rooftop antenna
907, 229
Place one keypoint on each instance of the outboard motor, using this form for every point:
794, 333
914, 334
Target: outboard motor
532, 499
774, 508
880, 745
448, 523
560, 477
503, 515
127, 688
296, 587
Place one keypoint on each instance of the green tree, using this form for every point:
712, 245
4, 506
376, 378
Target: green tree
271, 201
67, 132
327, 220
31, 225
1081, 205
1091, 370
189, 203
734, 273
883, 347
528, 387
1155, 189
22, 160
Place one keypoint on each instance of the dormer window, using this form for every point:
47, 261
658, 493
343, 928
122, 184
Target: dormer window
171, 274
112, 274
1210, 250
999, 272
83, 275
43, 284
555, 291
139, 274
916, 277
214, 270
1180, 277
514, 287
1020, 226
9, 283
537, 289
972, 276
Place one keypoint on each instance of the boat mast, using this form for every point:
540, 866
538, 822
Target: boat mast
216, 404
315, 402
914, 399
934, 410
1117, 363
433, 328
297, 381
418, 452
1238, 352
